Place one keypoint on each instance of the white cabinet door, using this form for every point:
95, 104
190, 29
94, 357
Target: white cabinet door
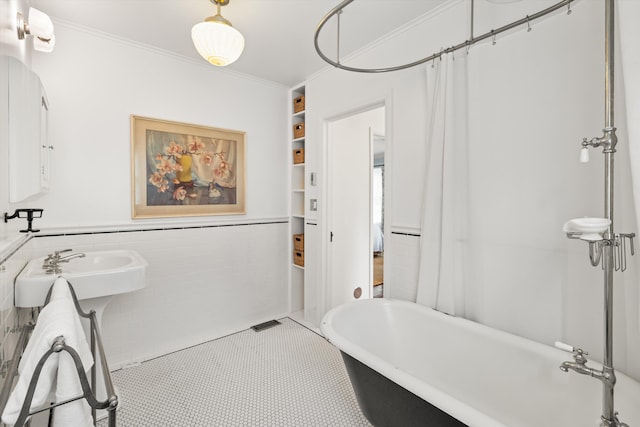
27, 131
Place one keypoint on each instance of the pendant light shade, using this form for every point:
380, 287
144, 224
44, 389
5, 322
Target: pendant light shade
216, 40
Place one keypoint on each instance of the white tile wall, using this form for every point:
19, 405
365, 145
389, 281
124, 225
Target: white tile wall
10, 318
203, 283
402, 262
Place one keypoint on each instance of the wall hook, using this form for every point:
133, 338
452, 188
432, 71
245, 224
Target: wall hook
29, 214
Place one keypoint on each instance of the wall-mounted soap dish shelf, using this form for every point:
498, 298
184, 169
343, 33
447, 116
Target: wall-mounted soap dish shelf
591, 230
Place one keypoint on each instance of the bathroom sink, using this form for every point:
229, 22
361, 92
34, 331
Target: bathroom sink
98, 274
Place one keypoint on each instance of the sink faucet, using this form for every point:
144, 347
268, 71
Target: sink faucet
51, 264
66, 258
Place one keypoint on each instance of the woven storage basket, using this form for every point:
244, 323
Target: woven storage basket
298, 156
298, 130
298, 104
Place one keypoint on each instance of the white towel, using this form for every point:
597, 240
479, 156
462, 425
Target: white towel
58, 374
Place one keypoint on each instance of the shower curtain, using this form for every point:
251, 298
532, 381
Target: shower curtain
441, 281
628, 13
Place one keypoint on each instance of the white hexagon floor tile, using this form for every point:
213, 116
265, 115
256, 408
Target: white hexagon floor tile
284, 376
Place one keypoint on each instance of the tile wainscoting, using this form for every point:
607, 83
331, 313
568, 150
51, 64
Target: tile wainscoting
204, 282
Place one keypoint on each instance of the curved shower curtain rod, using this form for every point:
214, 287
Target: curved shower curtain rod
466, 44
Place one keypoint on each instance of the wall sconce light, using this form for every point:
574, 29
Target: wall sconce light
39, 26
216, 40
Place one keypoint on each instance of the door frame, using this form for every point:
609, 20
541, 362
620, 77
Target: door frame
328, 181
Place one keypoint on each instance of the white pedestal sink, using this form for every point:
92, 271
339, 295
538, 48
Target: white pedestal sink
98, 274
96, 277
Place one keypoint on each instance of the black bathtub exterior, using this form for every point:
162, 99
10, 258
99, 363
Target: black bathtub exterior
386, 404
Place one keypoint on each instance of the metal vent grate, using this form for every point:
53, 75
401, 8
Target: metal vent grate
265, 325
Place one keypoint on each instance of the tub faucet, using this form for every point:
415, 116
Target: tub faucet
579, 365
606, 375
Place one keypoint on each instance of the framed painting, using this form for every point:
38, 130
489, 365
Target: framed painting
180, 169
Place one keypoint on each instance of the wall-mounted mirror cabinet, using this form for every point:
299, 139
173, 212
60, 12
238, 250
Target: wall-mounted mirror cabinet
28, 145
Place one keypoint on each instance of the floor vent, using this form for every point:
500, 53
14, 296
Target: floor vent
265, 325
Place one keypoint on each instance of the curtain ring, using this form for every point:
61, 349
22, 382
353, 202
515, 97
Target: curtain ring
528, 25
569, 8
493, 38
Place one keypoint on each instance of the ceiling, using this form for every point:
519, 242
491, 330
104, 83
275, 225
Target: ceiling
278, 33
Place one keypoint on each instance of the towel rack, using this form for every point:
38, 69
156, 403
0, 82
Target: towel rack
88, 391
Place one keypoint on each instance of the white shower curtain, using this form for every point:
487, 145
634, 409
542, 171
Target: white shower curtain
441, 278
628, 14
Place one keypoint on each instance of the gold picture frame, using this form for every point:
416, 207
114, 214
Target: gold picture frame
180, 169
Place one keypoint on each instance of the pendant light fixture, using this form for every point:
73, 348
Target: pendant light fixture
216, 40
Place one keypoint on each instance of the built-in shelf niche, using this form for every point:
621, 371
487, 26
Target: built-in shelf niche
297, 194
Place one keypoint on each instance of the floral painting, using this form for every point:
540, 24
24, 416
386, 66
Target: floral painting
186, 170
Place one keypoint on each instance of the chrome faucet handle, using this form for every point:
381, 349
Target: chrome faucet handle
579, 356
578, 353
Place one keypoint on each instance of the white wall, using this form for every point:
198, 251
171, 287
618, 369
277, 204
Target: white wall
203, 282
533, 97
95, 83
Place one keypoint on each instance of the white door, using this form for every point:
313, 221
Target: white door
350, 187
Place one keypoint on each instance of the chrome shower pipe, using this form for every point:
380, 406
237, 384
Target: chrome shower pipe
609, 140
471, 20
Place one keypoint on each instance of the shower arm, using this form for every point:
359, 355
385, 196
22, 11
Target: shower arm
465, 44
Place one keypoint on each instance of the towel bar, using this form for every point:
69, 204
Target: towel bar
89, 391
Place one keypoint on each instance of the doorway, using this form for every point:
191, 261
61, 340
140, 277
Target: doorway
353, 143
377, 214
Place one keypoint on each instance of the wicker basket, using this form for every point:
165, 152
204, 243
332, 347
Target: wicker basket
298, 258
298, 156
298, 242
298, 130
298, 104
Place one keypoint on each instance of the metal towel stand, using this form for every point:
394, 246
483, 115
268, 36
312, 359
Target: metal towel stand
88, 392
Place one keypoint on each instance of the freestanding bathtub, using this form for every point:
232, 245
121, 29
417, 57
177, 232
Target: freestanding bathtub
411, 365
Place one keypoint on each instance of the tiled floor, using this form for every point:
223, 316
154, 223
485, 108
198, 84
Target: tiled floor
283, 376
